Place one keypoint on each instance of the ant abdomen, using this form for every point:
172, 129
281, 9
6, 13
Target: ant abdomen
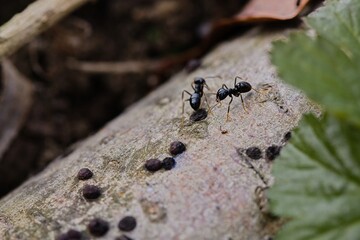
243, 87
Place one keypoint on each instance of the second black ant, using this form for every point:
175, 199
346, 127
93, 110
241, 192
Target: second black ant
195, 98
240, 87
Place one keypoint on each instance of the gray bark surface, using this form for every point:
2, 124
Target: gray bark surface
210, 194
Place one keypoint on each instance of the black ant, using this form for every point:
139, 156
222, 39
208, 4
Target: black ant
240, 87
195, 98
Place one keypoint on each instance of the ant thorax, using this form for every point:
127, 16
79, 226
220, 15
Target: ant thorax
195, 101
221, 94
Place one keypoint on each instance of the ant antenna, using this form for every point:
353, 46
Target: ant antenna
216, 76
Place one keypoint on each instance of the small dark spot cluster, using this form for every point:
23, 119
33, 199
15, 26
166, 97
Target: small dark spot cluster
153, 165
98, 227
198, 115
84, 174
127, 224
70, 235
253, 153
176, 148
192, 65
168, 163
91, 192
272, 152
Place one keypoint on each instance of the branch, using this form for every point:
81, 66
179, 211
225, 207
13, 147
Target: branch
36, 18
211, 193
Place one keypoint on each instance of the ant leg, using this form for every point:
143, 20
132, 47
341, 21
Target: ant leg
242, 102
224, 86
192, 86
183, 106
255, 90
207, 103
215, 105
236, 79
228, 110
207, 86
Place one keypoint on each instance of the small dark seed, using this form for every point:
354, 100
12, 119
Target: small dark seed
73, 234
91, 192
70, 235
287, 136
127, 224
168, 163
84, 174
153, 165
198, 115
272, 152
253, 153
192, 65
123, 237
98, 227
176, 148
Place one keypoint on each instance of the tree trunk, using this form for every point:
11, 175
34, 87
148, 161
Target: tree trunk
209, 194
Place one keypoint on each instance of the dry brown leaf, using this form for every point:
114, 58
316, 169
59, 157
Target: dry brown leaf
268, 10
16, 99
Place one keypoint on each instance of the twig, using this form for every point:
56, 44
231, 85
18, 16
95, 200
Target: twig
140, 66
115, 67
36, 18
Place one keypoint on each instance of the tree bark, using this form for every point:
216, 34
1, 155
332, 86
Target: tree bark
210, 194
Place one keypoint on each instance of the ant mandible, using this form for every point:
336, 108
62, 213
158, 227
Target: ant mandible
240, 87
195, 98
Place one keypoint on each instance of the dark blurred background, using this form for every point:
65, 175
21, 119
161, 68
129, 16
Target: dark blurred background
70, 105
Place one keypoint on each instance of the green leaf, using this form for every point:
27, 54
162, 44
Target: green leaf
326, 66
318, 182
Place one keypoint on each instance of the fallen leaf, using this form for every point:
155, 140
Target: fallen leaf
267, 10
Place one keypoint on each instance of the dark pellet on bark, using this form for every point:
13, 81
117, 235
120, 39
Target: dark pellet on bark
192, 65
70, 235
176, 148
127, 224
123, 237
91, 192
84, 174
153, 165
272, 152
98, 227
198, 115
287, 136
253, 153
168, 163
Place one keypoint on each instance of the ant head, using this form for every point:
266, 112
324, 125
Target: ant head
243, 87
199, 80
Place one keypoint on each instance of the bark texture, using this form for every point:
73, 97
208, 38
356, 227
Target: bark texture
210, 194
